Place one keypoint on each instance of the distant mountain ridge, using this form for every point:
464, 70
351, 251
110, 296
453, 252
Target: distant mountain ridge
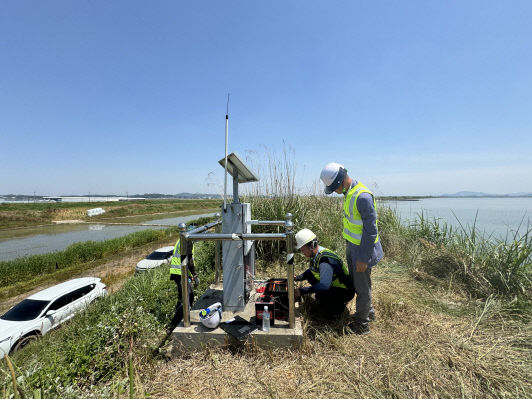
479, 194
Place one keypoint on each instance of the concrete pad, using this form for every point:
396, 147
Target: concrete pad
198, 336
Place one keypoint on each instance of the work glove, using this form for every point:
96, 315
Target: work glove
196, 280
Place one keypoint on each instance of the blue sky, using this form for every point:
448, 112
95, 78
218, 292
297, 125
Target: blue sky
413, 97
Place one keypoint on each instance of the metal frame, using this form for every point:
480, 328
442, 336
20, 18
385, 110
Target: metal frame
195, 235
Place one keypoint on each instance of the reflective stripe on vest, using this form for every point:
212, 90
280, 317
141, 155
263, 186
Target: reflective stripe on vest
315, 267
175, 263
352, 220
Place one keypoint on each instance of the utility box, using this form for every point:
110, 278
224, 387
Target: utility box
238, 256
233, 255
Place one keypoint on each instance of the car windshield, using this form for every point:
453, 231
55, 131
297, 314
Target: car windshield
159, 255
28, 309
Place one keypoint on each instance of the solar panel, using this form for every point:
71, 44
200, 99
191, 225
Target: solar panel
235, 165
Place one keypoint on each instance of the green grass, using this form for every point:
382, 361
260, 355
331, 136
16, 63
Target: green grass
75, 256
92, 350
138, 206
22, 274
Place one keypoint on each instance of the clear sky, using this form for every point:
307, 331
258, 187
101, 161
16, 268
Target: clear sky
116, 97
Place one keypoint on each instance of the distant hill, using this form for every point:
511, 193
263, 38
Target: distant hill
479, 194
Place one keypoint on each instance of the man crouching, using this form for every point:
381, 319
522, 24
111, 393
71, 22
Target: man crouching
327, 275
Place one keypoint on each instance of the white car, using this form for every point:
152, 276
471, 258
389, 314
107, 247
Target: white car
45, 310
155, 259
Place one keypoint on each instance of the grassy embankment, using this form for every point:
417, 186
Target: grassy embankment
22, 274
38, 214
453, 321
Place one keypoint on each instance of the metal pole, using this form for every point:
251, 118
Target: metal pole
184, 273
237, 236
217, 253
235, 186
226, 132
205, 227
264, 236
266, 222
290, 270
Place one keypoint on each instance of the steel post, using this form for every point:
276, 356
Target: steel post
237, 236
266, 222
217, 254
184, 273
236, 200
289, 228
205, 227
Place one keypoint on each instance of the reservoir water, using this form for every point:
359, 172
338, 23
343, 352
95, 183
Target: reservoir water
58, 237
495, 217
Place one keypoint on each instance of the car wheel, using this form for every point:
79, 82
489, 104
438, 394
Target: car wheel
24, 341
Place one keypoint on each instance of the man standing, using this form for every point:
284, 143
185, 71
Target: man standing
363, 247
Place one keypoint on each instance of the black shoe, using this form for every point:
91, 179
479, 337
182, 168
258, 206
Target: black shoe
358, 328
371, 316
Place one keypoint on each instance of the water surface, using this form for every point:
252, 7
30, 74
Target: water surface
56, 238
491, 216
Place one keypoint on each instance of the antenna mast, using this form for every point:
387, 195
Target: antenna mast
226, 137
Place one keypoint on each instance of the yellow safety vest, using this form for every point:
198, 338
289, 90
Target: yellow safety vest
352, 219
175, 263
315, 267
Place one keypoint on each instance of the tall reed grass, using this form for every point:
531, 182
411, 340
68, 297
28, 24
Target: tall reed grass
483, 265
276, 194
479, 264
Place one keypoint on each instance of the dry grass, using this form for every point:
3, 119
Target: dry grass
421, 346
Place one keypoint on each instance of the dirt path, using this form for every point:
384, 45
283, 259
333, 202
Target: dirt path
191, 211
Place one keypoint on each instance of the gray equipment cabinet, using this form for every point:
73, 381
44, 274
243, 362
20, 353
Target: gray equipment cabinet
238, 256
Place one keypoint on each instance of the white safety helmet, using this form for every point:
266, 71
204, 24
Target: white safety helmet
332, 175
212, 316
304, 237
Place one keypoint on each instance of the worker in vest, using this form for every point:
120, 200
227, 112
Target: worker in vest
363, 247
327, 275
175, 275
